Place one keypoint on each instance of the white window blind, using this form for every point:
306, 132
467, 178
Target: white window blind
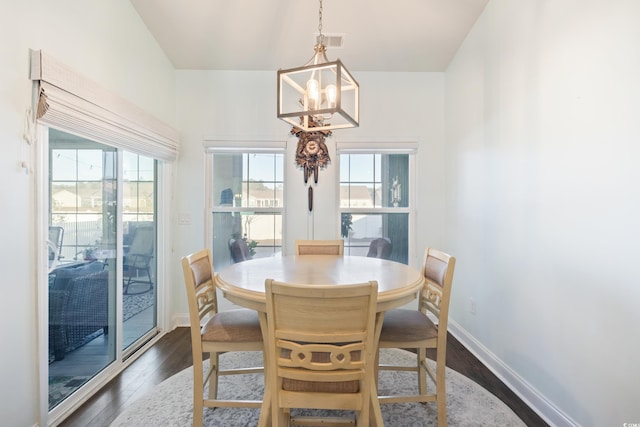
75, 104
397, 147
212, 146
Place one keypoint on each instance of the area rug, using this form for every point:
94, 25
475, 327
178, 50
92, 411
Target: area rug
60, 387
134, 304
170, 403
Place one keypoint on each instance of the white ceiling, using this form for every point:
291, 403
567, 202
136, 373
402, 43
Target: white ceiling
397, 35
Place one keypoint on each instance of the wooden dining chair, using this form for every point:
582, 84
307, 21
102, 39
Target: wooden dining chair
215, 332
415, 329
321, 351
320, 247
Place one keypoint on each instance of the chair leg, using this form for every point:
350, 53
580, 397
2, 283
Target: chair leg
422, 372
197, 413
126, 286
285, 419
149, 277
442, 412
441, 389
198, 391
362, 418
130, 281
375, 411
277, 418
214, 367
265, 413
280, 417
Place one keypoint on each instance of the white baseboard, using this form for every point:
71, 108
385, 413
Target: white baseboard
179, 320
531, 396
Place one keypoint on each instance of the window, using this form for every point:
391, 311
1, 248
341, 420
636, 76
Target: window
375, 201
247, 194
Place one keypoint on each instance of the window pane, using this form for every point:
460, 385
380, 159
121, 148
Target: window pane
146, 169
63, 197
261, 167
374, 180
360, 195
90, 165
138, 197
129, 166
362, 168
263, 195
227, 179
361, 229
396, 180
261, 231
90, 196
63, 165
345, 161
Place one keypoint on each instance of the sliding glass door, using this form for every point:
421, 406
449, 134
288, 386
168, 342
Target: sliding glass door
100, 199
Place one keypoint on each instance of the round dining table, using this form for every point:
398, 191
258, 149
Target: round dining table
243, 284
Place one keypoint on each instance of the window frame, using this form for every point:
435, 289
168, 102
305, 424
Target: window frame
213, 147
409, 148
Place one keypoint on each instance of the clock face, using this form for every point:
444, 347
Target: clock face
312, 147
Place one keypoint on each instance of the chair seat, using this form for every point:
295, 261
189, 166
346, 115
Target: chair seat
401, 325
240, 325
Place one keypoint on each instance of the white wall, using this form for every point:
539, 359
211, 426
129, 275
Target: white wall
534, 190
228, 105
106, 41
542, 140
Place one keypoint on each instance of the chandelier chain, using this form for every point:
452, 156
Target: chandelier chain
320, 24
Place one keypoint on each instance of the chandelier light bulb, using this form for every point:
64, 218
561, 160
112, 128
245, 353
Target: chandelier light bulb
313, 93
332, 93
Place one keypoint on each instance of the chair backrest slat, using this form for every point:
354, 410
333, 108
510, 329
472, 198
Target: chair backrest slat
319, 328
437, 270
197, 269
320, 247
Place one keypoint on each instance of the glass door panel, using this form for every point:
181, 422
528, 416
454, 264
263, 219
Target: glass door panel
139, 263
82, 278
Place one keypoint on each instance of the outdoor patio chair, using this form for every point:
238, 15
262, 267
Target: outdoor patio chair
138, 260
56, 235
239, 250
380, 248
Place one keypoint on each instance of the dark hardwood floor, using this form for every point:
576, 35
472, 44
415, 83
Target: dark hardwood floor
172, 353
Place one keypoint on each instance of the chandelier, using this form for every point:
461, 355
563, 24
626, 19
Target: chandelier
320, 95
